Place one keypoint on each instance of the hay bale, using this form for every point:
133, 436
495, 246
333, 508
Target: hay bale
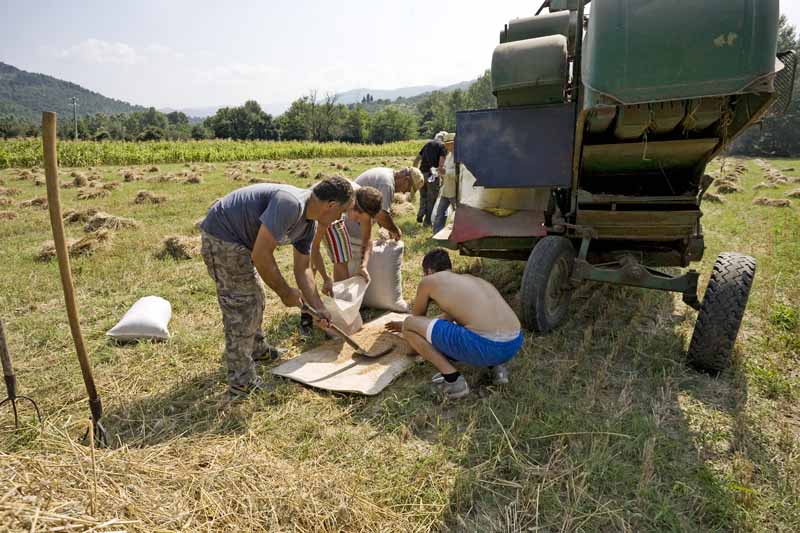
90, 193
74, 216
764, 185
79, 180
7, 215
400, 198
794, 194
5, 201
713, 198
179, 247
772, 202
192, 180
727, 187
153, 169
129, 176
25, 175
39, 182
111, 185
75, 248
146, 197
101, 220
40, 202
262, 180
198, 223
9, 191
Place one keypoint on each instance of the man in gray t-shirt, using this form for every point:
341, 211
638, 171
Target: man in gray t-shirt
239, 237
354, 259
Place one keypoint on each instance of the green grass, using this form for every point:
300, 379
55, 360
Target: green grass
28, 152
602, 428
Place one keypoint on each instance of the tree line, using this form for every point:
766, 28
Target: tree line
309, 118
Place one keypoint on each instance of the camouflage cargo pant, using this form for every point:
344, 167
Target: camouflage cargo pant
241, 299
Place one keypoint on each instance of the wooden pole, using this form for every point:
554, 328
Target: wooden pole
54, 205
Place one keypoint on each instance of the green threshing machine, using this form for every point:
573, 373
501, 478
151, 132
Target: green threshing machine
592, 167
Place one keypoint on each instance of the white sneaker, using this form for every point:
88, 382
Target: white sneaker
500, 375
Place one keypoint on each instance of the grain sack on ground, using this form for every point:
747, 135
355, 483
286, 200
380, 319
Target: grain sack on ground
76, 248
101, 220
179, 247
146, 197
41, 203
772, 202
385, 290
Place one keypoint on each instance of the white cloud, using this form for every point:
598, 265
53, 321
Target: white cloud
238, 73
159, 51
97, 51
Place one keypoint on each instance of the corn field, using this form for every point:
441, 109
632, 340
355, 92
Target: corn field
18, 153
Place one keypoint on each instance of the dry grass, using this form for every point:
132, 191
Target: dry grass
40, 202
6, 201
602, 428
105, 221
73, 216
728, 187
794, 194
179, 247
90, 193
772, 202
9, 191
76, 247
713, 198
8, 215
146, 197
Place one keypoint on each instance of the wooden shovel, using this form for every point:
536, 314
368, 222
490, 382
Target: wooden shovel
359, 350
54, 204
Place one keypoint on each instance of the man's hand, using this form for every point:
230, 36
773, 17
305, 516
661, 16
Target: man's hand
292, 298
362, 271
396, 235
327, 287
396, 326
322, 318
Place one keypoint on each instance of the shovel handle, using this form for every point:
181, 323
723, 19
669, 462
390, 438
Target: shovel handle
5, 357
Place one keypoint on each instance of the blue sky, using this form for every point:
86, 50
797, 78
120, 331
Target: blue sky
177, 53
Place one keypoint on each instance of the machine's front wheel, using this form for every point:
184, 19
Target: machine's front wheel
545, 291
721, 313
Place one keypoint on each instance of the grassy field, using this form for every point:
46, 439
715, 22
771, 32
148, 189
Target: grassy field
28, 152
602, 428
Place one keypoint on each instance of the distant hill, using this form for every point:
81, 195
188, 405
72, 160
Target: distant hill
356, 95
26, 94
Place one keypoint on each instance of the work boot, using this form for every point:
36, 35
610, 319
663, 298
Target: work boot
453, 391
239, 393
263, 353
500, 375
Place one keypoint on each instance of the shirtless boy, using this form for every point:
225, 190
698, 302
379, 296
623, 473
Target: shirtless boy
477, 327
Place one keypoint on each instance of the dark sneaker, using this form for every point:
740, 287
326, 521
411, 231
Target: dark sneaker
238, 393
500, 376
306, 325
453, 391
264, 353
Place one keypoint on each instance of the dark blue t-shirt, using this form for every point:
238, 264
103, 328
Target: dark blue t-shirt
281, 208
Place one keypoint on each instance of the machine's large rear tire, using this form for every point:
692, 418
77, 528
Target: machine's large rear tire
546, 291
721, 313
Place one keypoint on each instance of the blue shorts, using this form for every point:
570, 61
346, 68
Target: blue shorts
460, 344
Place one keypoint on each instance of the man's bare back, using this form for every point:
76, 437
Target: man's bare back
472, 302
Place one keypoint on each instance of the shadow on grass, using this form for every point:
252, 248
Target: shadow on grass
589, 435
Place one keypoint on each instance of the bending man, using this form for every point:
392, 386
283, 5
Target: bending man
478, 327
239, 238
